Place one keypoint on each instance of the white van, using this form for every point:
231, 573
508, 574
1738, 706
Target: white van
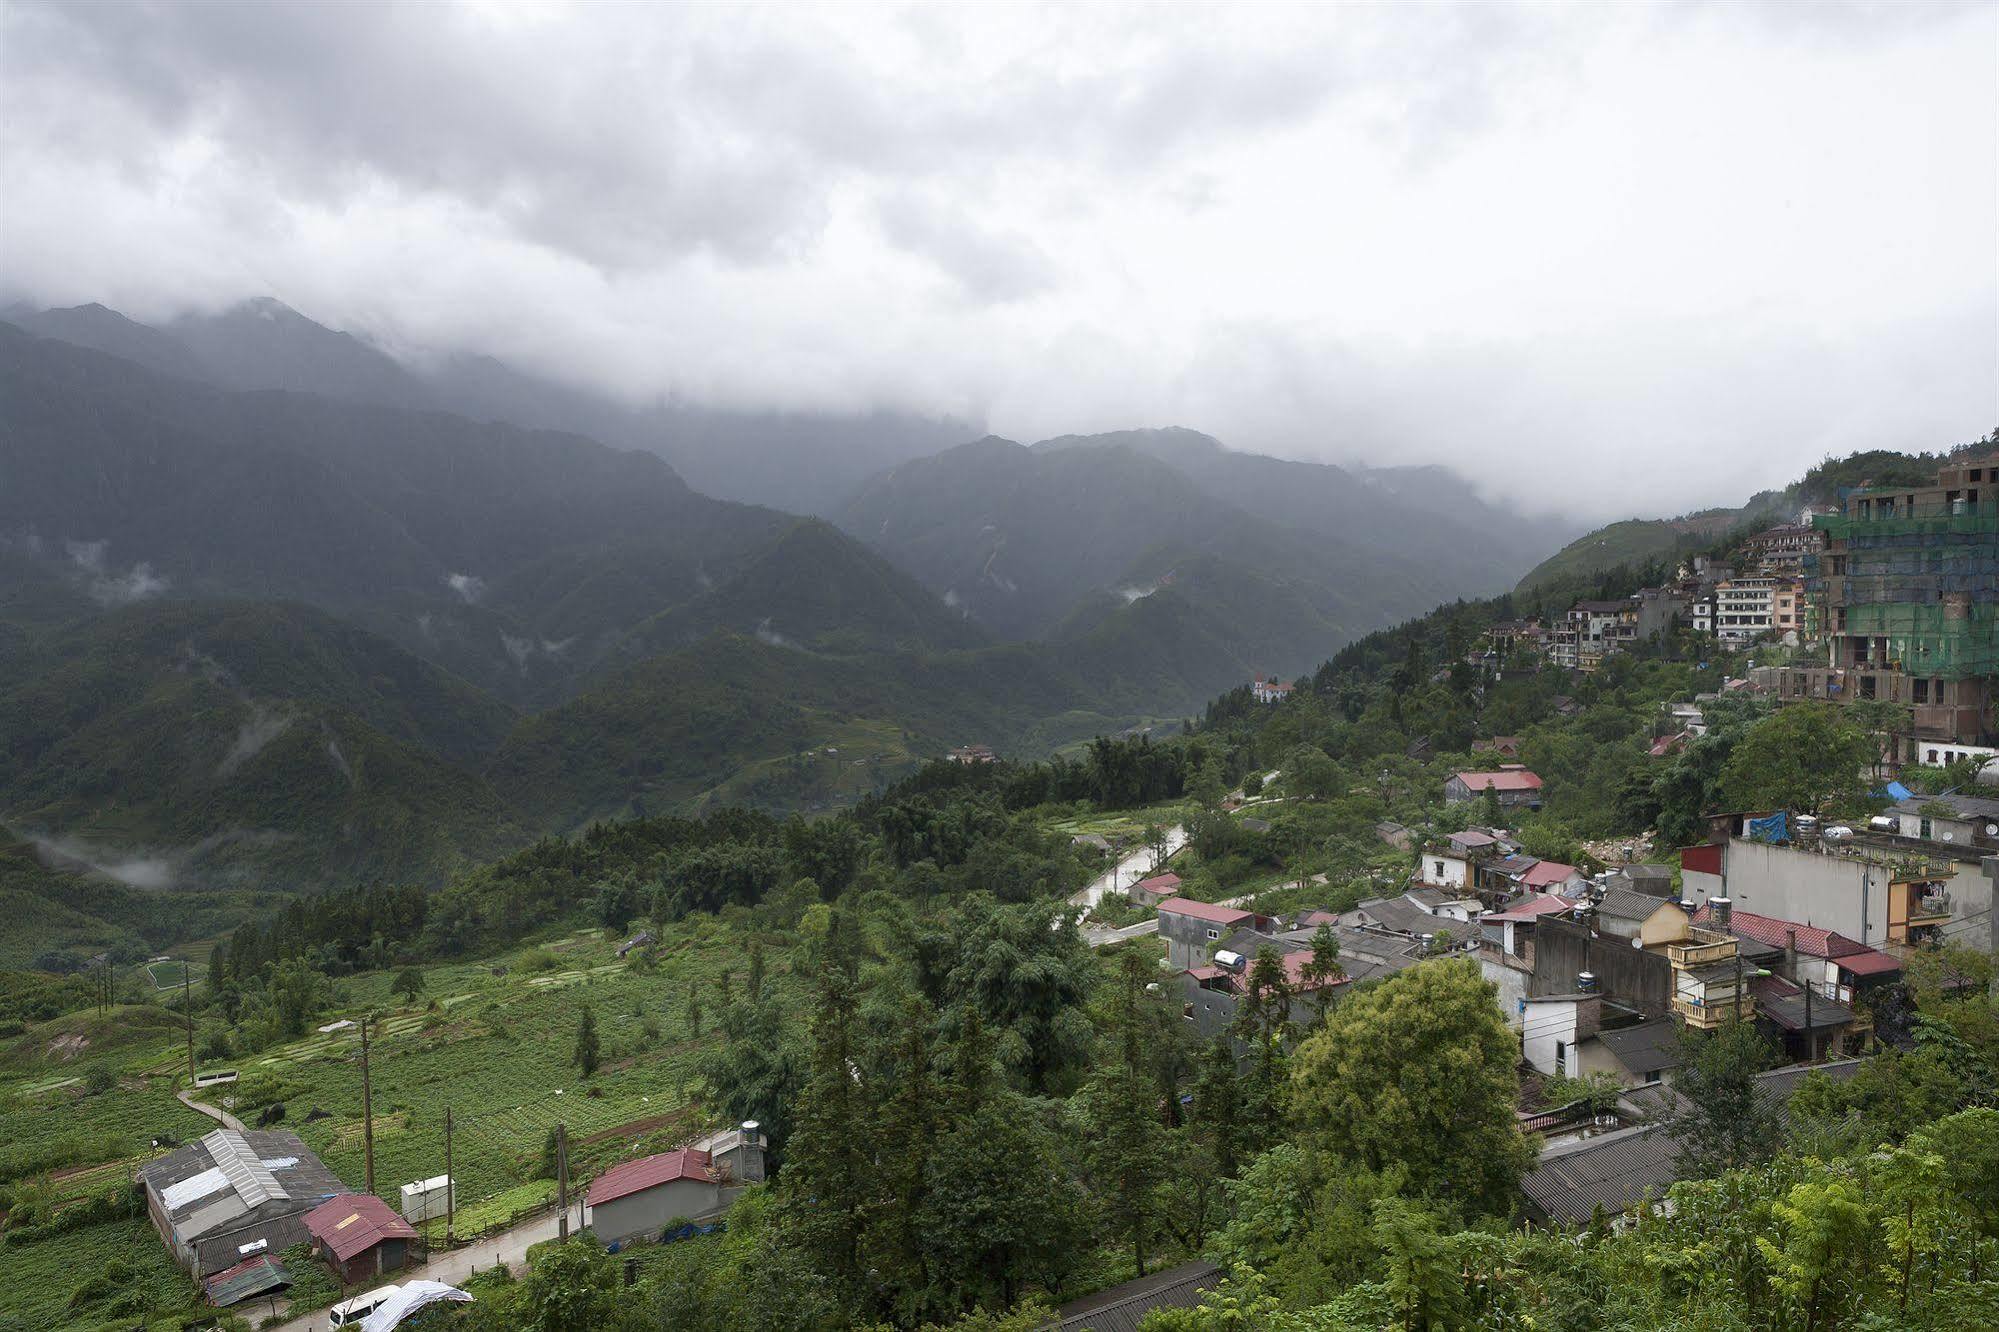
351, 1313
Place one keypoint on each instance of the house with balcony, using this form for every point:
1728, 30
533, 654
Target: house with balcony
1710, 980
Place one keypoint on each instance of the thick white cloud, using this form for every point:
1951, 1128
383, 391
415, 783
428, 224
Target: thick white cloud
1633, 258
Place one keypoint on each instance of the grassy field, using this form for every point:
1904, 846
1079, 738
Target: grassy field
493, 1040
97, 1277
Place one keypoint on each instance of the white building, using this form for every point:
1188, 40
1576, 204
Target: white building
1743, 608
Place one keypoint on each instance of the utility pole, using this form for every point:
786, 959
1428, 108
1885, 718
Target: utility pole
187, 1012
450, 1180
562, 1181
367, 1111
1811, 1036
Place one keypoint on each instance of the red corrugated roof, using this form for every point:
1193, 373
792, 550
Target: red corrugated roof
1208, 911
355, 1222
1548, 873
1526, 910
1509, 779
1812, 940
1870, 962
1159, 883
648, 1172
1294, 972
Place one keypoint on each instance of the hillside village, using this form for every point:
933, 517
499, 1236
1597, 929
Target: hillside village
1644, 859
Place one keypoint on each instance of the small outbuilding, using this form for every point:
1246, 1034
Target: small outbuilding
359, 1236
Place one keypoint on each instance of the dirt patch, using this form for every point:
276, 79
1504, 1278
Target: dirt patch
69, 1046
637, 1128
349, 1135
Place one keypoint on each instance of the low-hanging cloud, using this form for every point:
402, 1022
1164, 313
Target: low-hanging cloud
1634, 258
105, 583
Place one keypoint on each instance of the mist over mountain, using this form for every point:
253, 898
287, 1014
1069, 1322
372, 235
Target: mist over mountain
1023, 538
800, 462
499, 625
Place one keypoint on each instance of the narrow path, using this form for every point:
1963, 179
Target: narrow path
1130, 870
452, 1268
222, 1117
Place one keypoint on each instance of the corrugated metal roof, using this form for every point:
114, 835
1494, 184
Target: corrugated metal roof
240, 1282
1646, 1047
248, 1175
1122, 1308
354, 1223
1619, 1170
1208, 911
648, 1172
178, 1196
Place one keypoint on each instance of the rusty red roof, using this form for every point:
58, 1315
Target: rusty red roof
1546, 873
355, 1222
1813, 941
648, 1172
1869, 962
1160, 883
1507, 779
1208, 911
1528, 908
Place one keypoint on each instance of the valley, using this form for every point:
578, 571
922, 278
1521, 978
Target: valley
275, 622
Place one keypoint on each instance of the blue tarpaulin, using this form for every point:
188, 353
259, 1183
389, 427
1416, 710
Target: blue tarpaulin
1897, 791
1771, 828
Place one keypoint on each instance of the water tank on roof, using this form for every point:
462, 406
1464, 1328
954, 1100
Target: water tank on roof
1228, 961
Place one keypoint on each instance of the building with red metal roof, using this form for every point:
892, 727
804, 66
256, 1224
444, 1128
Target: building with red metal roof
1190, 928
1512, 785
360, 1235
644, 1198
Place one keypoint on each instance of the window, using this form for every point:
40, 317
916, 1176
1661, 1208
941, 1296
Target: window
1440, 868
1561, 1059
1214, 934
1922, 688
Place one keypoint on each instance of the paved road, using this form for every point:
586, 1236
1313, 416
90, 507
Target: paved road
1098, 936
1128, 871
510, 1247
1139, 864
222, 1117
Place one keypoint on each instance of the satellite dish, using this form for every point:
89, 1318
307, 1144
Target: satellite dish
1992, 830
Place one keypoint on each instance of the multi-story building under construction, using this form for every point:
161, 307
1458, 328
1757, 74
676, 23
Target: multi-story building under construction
1905, 599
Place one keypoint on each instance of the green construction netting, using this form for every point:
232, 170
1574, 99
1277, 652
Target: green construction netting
1929, 639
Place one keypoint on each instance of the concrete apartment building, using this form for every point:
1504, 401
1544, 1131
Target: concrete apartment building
1885, 892
1784, 548
1905, 596
1753, 607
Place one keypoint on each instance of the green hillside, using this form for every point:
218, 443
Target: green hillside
815, 587
213, 745
1631, 543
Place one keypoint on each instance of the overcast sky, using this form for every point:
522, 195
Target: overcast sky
1637, 258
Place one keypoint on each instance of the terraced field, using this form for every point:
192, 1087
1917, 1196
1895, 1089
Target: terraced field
492, 1040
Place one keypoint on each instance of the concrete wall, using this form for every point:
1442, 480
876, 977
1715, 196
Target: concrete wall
645, 1213
1631, 976
1567, 1021
1445, 871
1511, 984
1187, 939
1840, 893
